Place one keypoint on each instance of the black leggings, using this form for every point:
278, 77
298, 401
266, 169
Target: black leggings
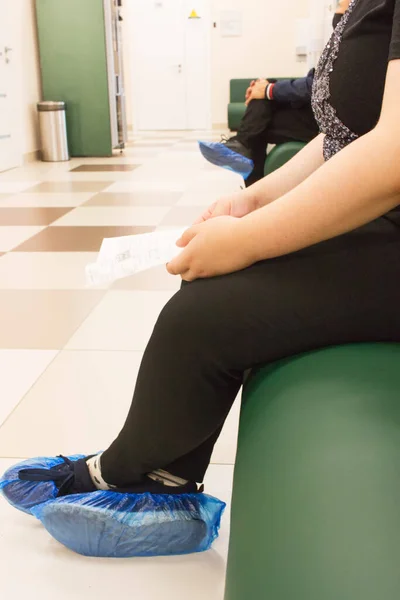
341, 291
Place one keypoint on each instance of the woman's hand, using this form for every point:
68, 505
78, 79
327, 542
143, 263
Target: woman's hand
216, 247
235, 205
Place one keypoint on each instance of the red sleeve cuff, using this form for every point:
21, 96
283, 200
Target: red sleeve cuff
270, 91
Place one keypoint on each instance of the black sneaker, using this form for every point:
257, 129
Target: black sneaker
39, 480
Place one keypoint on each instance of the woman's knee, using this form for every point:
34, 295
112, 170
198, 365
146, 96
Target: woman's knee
190, 315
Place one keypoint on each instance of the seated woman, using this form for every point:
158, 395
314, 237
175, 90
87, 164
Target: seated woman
307, 257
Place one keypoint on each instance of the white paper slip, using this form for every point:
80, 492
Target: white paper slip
123, 256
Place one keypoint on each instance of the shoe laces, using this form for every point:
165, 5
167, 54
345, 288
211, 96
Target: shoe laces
63, 475
224, 138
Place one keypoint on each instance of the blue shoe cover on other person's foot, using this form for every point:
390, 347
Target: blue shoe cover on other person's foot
111, 524
24, 495
220, 155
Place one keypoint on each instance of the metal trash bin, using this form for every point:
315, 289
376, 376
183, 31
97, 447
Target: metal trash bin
53, 131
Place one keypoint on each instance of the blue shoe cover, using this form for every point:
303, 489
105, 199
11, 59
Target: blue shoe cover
220, 155
24, 495
110, 524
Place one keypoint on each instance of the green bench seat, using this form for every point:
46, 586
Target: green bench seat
316, 495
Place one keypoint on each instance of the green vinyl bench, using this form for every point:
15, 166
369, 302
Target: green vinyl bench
316, 494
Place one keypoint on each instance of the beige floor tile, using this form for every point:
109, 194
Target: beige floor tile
45, 270
43, 319
157, 278
45, 199
76, 239
106, 215
116, 159
67, 187
85, 397
140, 198
31, 216
10, 237
106, 178
182, 216
19, 369
32, 558
124, 320
95, 168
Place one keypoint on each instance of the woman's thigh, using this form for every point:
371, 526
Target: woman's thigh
341, 291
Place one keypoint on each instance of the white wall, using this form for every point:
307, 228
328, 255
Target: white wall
266, 48
31, 81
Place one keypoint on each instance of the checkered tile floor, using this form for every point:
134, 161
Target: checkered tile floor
69, 355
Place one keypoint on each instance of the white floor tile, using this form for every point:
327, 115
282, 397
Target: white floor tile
41, 200
14, 187
11, 237
151, 185
113, 215
225, 448
42, 392
85, 398
193, 198
151, 142
39, 567
169, 172
122, 321
19, 369
46, 270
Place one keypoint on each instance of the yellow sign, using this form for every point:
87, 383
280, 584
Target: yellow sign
194, 15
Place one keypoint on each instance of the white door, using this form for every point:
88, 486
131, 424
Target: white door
169, 63
10, 148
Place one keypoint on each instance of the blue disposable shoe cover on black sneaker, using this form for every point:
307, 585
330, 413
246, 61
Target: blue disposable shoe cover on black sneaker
111, 524
220, 155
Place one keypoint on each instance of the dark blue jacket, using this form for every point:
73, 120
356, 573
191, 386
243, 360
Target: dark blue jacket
296, 92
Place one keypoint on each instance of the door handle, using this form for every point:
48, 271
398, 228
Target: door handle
7, 50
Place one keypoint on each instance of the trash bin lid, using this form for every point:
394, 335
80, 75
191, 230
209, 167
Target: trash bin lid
50, 106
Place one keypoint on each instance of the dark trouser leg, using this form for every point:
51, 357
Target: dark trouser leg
255, 122
253, 134
290, 124
341, 291
286, 124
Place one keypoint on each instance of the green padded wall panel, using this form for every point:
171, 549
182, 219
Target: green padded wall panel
280, 155
236, 112
316, 494
74, 69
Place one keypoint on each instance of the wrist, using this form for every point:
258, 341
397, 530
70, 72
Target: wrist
252, 198
269, 91
248, 239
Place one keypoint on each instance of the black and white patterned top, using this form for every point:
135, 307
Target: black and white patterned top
337, 135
